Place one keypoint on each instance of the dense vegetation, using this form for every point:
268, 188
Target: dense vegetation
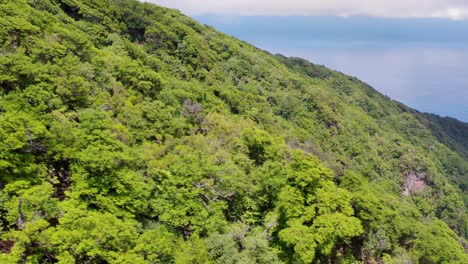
129, 133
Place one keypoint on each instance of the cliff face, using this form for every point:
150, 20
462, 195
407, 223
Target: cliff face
131, 133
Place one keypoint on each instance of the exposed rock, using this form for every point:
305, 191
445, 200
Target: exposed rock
414, 182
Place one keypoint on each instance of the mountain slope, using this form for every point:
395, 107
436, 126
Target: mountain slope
449, 131
132, 134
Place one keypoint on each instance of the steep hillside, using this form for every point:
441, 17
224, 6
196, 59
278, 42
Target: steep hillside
449, 131
129, 133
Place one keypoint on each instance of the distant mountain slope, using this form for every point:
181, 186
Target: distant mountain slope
129, 133
449, 131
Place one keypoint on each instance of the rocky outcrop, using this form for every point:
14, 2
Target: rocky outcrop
415, 181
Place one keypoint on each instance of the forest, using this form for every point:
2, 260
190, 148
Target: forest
130, 133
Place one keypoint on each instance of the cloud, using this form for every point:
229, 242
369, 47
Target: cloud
452, 13
448, 9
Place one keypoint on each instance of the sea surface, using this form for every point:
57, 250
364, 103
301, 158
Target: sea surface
422, 63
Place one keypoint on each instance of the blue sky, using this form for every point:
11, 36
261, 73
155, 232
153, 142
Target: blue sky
418, 56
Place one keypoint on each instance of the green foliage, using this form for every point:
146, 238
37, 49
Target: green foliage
317, 215
130, 133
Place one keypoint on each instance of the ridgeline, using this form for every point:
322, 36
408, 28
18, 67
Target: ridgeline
130, 133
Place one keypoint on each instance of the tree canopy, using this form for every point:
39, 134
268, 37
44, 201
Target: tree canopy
130, 133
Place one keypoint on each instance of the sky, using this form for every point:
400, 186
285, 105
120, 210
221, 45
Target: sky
412, 52
451, 9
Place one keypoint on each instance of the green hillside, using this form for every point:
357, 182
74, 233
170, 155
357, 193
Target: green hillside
449, 131
129, 133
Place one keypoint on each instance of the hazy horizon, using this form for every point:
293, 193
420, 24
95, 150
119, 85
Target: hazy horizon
419, 62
